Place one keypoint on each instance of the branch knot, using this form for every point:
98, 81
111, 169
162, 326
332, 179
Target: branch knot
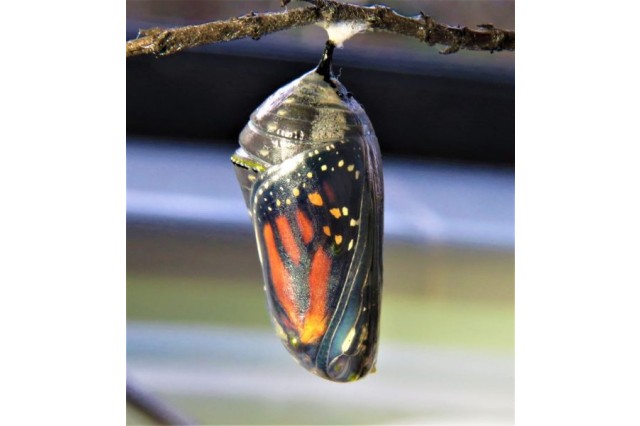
429, 24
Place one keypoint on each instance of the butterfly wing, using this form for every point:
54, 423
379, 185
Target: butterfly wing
318, 223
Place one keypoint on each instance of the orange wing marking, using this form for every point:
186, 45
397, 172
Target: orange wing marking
306, 227
315, 199
280, 277
315, 322
288, 239
328, 191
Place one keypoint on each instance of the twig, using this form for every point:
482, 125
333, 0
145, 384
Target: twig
157, 41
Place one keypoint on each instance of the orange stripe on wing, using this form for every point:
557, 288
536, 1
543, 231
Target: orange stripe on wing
280, 277
288, 239
315, 322
305, 225
328, 191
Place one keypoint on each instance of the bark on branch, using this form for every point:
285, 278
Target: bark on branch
158, 41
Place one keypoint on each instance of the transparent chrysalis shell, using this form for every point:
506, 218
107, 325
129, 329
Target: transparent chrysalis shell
310, 171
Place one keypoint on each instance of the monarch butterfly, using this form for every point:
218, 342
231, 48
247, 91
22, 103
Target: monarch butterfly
309, 167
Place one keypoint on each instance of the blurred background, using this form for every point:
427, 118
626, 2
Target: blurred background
199, 337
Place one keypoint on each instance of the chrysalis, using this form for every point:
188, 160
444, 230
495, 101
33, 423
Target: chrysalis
310, 170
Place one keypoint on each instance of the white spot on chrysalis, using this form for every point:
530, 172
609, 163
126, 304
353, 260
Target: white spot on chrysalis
348, 340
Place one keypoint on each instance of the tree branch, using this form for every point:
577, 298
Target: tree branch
158, 41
